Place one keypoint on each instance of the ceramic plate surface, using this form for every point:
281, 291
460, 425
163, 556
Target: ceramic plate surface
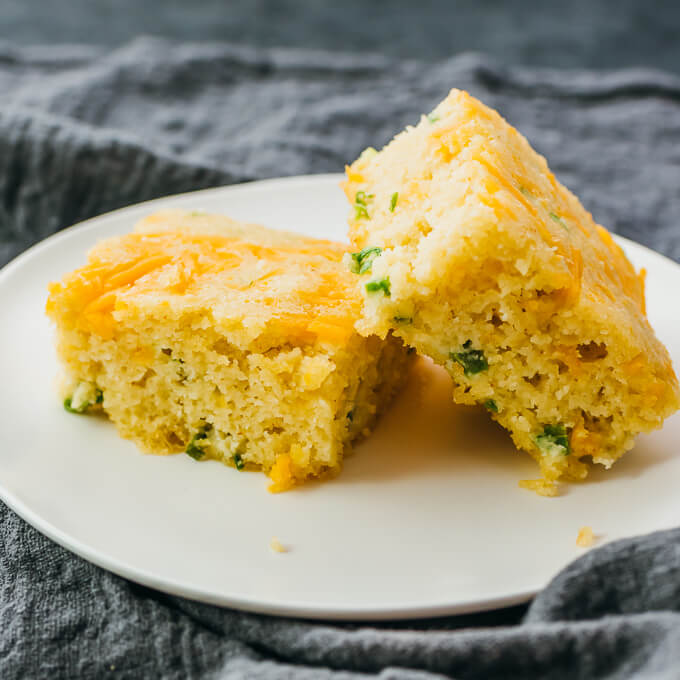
426, 518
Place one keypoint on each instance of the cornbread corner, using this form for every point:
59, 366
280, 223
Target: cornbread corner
226, 340
472, 252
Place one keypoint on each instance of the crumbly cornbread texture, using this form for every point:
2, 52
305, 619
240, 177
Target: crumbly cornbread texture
473, 253
226, 340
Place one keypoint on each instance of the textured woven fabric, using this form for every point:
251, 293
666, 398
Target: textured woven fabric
83, 132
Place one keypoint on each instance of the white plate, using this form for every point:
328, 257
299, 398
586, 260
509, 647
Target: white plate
426, 518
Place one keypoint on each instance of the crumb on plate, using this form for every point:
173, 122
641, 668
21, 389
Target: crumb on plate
543, 487
585, 537
277, 546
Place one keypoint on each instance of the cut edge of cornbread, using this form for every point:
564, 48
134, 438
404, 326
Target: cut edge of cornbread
472, 252
178, 368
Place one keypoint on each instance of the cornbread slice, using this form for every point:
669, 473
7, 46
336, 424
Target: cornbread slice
230, 341
473, 253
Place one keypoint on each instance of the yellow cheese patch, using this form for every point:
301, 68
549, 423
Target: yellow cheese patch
297, 284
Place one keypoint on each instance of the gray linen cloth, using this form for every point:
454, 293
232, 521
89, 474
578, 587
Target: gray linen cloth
83, 132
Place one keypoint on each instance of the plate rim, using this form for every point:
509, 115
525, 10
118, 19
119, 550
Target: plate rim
318, 612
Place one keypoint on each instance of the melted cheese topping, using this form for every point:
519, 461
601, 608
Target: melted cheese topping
293, 283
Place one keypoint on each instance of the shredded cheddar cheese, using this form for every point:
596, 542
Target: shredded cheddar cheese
320, 302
